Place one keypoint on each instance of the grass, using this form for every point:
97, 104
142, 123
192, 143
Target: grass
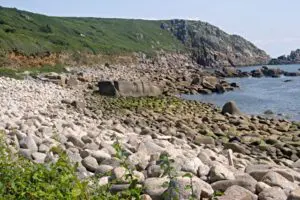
32, 34
20, 72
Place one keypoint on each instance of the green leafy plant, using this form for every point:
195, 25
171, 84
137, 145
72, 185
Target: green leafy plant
134, 191
190, 186
166, 165
22, 179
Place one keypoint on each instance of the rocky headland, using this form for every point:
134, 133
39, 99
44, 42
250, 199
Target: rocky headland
293, 58
264, 71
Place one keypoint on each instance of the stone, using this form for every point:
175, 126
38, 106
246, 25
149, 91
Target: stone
189, 164
78, 105
100, 155
259, 171
72, 81
219, 172
86, 139
119, 128
103, 169
103, 181
153, 187
231, 108
261, 186
201, 188
29, 143
274, 179
244, 180
154, 171
295, 194
119, 174
237, 193
76, 141
26, 153
44, 148
235, 147
199, 139
145, 197
38, 157
272, 193
126, 88
90, 163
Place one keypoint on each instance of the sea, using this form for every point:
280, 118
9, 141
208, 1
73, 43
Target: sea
280, 95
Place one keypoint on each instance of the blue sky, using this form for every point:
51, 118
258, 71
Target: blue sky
272, 25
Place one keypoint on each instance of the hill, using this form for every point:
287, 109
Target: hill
28, 34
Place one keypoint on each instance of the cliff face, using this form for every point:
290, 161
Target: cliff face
293, 58
210, 46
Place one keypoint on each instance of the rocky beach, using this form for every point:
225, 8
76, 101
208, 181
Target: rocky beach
228, 155
97, 109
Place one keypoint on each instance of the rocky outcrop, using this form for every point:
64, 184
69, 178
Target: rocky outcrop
128, 89
293, 58
213, 47
264, 71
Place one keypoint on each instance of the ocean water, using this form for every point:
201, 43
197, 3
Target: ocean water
257, 95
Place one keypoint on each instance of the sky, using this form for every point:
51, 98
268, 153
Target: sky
272, 25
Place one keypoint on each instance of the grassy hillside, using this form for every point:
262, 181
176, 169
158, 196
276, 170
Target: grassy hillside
29, 34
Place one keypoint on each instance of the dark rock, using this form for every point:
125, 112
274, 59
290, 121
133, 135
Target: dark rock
220, 88
231, 108
293, 58
235, 147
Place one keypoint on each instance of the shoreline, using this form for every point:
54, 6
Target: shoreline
214, 147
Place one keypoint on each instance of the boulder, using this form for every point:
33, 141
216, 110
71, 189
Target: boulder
276, 180
244, 180
201, 189
90, 163
237, 193
219, 172
294, 195
273, 193
128, 89
271, 72
257, 73
231, 108
154, 187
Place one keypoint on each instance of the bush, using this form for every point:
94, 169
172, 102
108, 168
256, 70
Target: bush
22, 179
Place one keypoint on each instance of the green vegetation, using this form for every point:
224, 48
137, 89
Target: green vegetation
157, 104
33, 34
21, 72
22, 179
